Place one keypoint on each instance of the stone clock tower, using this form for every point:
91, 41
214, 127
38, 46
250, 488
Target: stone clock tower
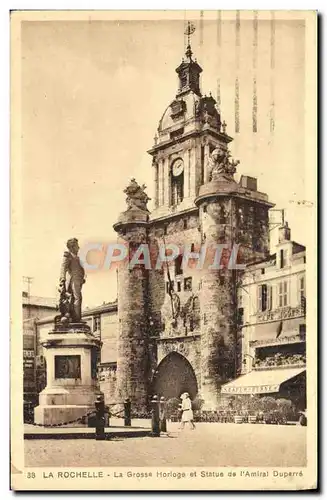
182, 331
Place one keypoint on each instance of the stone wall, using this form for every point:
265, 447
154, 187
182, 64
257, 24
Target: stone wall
109, 337
133, 298
108, 382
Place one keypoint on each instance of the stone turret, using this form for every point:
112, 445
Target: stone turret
132, 363
230, 214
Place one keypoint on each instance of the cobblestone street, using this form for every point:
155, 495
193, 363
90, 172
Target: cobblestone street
210, 445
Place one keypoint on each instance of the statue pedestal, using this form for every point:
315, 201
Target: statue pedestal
71, 354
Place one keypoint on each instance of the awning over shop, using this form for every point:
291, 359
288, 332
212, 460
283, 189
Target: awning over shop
261, 381
278, 332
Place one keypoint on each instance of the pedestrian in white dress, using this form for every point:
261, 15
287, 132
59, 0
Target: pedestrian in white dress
187, 412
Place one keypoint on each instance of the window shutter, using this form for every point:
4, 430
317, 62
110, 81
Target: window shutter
280, 294
301, 289
285, 294
285, 258
269, 297
259, 301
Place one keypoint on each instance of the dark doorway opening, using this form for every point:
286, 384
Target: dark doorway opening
174, 376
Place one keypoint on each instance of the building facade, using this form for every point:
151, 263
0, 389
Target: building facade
103, 321
34, 308
272, 312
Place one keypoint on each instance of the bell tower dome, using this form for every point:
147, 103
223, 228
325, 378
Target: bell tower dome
188, 131
189, 74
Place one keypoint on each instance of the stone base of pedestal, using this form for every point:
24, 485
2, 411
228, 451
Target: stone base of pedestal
63, 404
62, 414
69, 395
72, 385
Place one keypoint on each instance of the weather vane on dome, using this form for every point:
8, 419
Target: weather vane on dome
189, 30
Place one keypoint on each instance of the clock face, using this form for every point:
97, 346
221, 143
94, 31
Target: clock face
178, 167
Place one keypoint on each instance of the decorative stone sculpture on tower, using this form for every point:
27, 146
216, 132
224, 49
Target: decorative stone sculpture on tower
136, 196
71, 352
220, 167
133, 298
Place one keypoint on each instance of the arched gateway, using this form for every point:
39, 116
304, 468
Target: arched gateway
174, 376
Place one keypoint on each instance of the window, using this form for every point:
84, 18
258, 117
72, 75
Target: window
188, 284
240, 316
263, 270
179, 286
302, 298
177, 183
282, 294
96, 323
269, 298
192, 247
28, 353
283, 258
178, 265
169, 286
183, 80
302, 329
262, 298
282, 263
185, 223
301, 289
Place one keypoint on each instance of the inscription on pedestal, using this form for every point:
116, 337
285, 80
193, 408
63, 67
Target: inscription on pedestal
68, 366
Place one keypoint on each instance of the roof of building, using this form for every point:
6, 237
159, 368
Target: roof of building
92, 311
296, 249
268, 260
32, 300
105, 307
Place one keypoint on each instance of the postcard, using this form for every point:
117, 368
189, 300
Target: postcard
163, 249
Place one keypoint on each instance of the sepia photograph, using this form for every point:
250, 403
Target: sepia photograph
163, 229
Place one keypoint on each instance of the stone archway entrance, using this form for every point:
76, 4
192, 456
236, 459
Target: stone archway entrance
174, 376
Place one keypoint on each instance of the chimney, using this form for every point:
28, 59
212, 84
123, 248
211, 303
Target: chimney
284, 233
248, 182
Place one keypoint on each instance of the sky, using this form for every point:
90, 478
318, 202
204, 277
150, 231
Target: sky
92, 95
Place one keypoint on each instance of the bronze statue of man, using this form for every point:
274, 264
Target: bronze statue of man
72, 278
